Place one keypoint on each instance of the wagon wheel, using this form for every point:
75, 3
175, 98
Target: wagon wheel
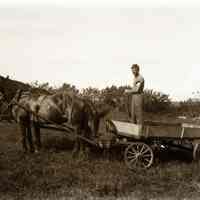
196, 152
138, 155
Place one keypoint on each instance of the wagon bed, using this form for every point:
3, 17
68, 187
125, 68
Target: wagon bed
142, 141
157, 130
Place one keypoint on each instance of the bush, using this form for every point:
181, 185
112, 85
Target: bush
156, 101
153, 101
189, 107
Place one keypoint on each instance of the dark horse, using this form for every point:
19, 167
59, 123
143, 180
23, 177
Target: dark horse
59, 108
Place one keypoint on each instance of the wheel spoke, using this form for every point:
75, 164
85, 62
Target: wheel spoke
142, 149
137, 148
136, 163
130, 157
138, 155
145, 163
131, 152
146, 150
135, 159
146, 155
147, 160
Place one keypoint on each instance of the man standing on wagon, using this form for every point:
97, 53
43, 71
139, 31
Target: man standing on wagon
137, 96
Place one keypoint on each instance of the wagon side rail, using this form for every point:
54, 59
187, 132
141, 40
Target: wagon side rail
125, 129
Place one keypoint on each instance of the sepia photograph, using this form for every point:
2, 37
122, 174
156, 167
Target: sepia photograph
99, 100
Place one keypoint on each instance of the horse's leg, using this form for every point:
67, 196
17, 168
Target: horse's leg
23, 134
37, 135
87, 134
81, 151
30, 139
76, 148
106, 154
84, 148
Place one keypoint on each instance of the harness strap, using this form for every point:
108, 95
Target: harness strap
70, 106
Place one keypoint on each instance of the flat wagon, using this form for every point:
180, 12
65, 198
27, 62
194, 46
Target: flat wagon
141, 141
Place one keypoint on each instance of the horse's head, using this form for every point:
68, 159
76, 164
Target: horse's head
90, 117
84, 113
106, 111
97, 114
79, 112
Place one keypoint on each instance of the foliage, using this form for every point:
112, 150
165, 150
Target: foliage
153, 101
69, 87
37, 87
93, 94
189, 107
156, 101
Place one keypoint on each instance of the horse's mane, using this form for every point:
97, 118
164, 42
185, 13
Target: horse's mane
40, 91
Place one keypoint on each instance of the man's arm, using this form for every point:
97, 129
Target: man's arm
135, 89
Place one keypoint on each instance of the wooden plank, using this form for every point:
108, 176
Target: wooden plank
187, 125
161, 123
163, 131
158, 130
193, 133
128, 129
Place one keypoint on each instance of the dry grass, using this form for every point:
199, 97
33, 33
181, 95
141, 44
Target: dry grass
54, 174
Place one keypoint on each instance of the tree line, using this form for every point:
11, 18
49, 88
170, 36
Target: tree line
154, 101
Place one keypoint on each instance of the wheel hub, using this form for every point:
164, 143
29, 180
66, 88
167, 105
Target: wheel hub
138, 154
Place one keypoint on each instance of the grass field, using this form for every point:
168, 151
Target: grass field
54, 174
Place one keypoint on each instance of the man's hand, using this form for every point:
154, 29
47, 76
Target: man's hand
127, 91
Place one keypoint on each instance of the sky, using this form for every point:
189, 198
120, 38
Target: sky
95, 44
